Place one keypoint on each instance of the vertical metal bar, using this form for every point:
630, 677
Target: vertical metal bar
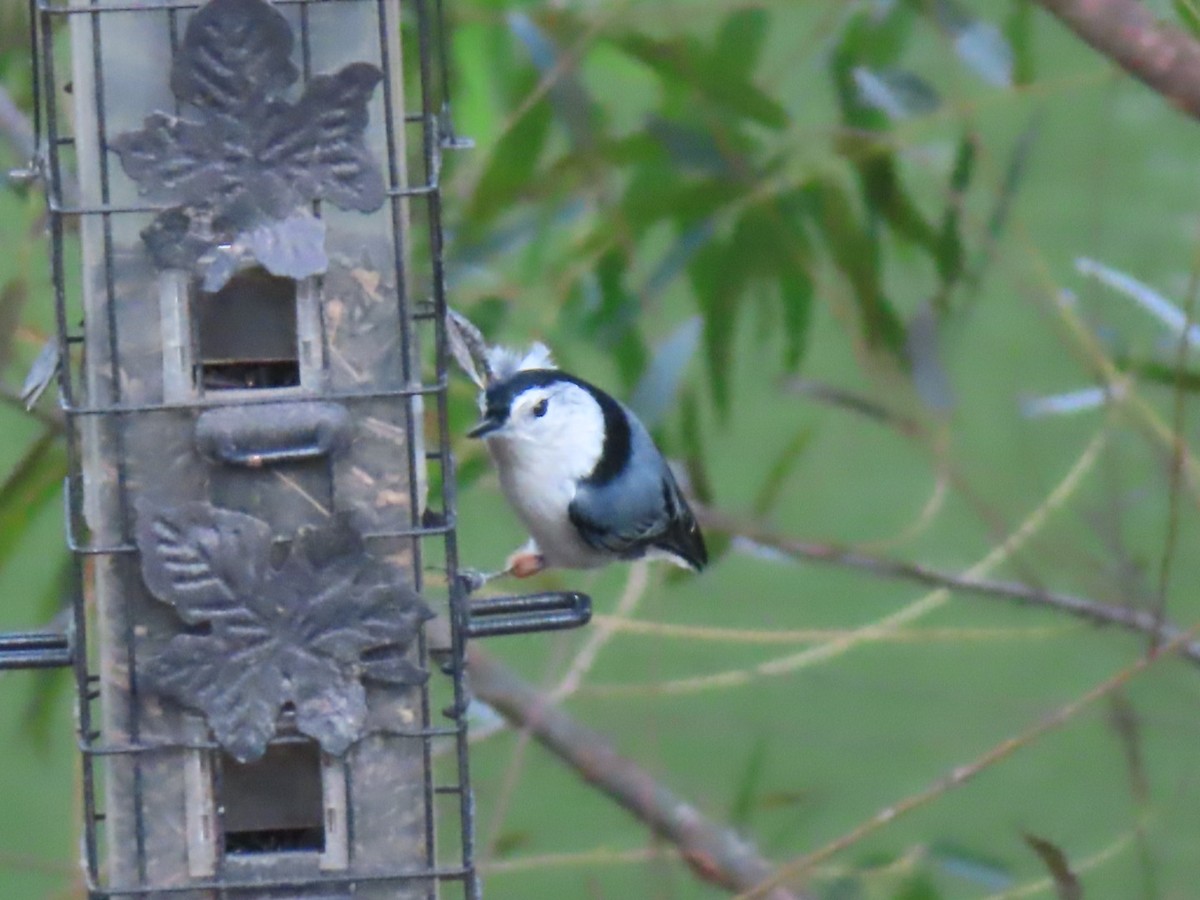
44, 47
173, 38
33, 57
405, 311
120, 563
457, 599
305, 45
413, 297
410, 421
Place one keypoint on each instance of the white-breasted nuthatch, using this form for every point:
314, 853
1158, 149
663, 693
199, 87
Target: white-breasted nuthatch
581, 471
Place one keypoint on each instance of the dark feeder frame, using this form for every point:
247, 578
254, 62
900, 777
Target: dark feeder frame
245, 367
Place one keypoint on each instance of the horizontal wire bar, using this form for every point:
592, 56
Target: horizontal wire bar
260, 396
419, 531
55, 7
90, 748
297, 881
58, 207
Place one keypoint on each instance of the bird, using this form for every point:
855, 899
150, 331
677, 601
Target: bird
580, 470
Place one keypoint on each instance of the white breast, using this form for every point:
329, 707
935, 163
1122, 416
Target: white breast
540, 467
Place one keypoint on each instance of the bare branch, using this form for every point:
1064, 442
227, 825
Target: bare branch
715, 853
1141, 621
17, 132
1126, 31
15, 127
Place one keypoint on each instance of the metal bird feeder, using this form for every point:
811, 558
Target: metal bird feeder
253, 371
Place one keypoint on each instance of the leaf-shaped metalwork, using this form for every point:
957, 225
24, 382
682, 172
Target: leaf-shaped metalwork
244, 158
303, 634
317, 144
236, 54
293, 247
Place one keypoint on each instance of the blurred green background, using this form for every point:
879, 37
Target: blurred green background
841, 239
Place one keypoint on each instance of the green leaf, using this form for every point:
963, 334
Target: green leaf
971, 866
690, 147
655, 392
875, 37
720, 273
674, 261
658, 192
692, 441
1189, 15
795, 296
469, 470
1014, 175
917, 887
1159, 372
885, 196
739, 42
923, 342
770, 241
749, 785
1066, 884
35, 483
949, 251
855, 253
12, 302
512, 165
1018, 28
685, 63
613, 325
718, 276
897, 93
979, 44
571, 101
769, 493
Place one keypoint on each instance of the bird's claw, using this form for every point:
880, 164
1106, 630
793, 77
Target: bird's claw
524, 564
471, 580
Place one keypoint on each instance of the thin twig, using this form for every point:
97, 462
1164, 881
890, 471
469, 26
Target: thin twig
962, 774
50, 416
602, 632
1130, 34
1144, 622
17, 132
15, 127
906, 615
714, 853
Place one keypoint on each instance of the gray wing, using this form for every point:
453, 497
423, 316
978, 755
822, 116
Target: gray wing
637, 512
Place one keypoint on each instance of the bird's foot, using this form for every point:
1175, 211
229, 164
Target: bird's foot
525, 564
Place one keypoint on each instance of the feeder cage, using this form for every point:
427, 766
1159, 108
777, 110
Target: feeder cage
246, 249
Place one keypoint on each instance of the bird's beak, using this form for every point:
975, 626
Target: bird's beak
488, 425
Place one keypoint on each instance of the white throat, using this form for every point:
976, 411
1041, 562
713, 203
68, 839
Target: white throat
540, 462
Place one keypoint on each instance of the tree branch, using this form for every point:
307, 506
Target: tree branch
715, 853
1136, 620
15, 127
17, 132
1161, 56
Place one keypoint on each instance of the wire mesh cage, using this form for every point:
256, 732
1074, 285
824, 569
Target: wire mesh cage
246, 248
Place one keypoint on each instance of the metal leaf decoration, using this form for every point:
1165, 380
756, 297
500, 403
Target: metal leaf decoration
244, 165
303, 634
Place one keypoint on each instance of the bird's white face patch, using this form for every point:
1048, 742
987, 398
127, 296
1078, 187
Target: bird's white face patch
558, 428
553, 437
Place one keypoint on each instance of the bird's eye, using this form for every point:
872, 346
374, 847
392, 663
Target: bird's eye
540, 409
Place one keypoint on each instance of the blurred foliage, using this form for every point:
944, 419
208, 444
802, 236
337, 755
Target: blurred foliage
694, 203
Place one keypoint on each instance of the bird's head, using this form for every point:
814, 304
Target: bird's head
544, 411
